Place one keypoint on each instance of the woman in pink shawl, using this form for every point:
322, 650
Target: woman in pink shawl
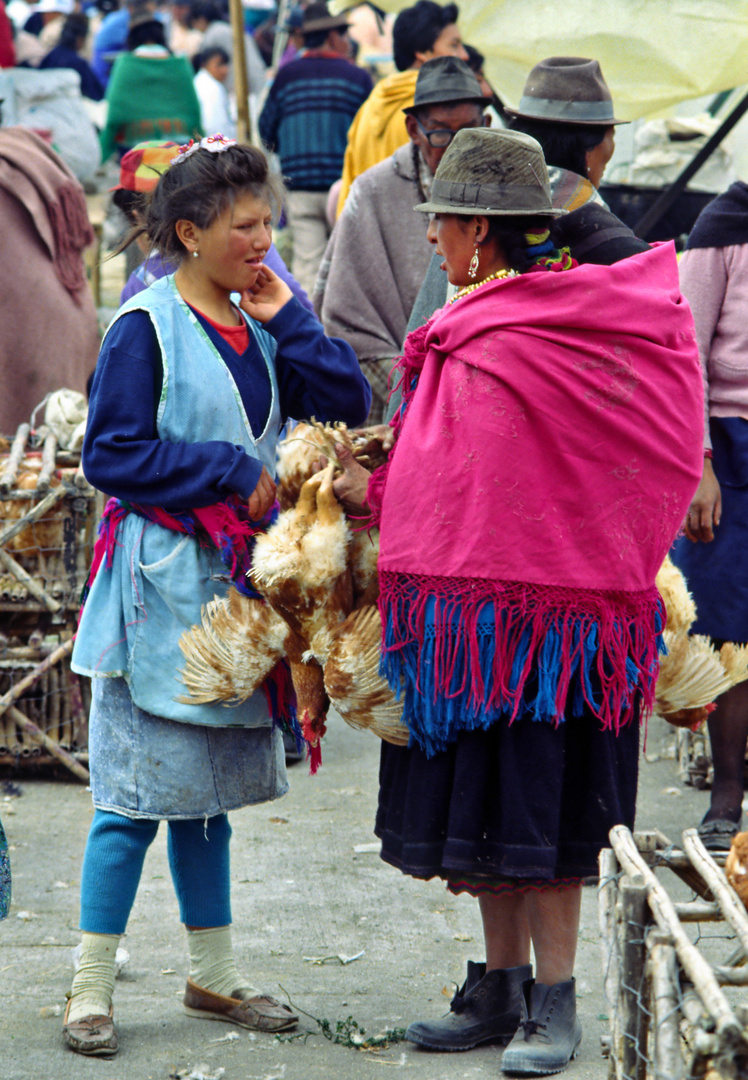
543, 463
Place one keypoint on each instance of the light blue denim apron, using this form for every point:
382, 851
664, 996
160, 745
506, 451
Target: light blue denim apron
160, 579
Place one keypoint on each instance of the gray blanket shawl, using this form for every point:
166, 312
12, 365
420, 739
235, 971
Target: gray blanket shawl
375, 260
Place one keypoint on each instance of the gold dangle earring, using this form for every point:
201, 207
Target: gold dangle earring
474, 263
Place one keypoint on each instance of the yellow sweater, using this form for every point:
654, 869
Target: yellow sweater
378, 127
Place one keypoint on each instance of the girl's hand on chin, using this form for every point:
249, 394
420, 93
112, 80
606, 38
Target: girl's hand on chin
266, 297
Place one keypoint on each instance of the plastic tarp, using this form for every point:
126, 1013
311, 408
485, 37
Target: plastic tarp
653, 53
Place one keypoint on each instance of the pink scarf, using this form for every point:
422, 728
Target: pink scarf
542, 469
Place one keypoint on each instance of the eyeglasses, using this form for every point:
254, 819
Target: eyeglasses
442, 136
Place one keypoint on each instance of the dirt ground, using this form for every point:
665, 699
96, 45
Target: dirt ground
319, 920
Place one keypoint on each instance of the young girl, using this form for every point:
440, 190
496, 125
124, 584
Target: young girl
189, 394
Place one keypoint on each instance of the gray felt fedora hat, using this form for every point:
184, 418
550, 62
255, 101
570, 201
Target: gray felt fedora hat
494, 173
567, 90
444, 80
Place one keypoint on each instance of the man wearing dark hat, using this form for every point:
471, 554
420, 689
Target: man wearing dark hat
378, 252
306, 118
566, 105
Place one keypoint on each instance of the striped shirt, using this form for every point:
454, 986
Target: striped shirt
306, 117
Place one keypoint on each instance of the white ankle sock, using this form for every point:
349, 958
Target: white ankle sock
93, 983
212, 963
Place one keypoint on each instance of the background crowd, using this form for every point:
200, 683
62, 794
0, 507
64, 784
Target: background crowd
515, 206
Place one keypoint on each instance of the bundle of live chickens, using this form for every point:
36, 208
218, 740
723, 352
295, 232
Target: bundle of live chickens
318, 583
47, 525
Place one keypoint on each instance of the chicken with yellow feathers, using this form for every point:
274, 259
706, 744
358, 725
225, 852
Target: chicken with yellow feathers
692, 672
319, 585
318, 579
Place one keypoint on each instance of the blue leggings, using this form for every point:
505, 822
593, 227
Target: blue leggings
115, 851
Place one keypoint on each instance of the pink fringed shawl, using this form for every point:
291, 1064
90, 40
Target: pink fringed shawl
543, 467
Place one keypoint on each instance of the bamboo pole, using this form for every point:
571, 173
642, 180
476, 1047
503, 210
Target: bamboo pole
732, 907
17, 451
698, 911
18, 572
607, 895
80, 731
67, 759
667, 1059
77, 715
53, 708
281, 34
79, 478
727, 975
49, 457
41, 508
82, 559
695, 965
35, 711
704, 1044
632, 990
647, 841
23, 652
239, 64
15, 737
5, 725
20, 687
663, 841
23, 745
682, 867
65, 705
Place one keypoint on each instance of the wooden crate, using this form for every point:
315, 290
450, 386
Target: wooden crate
48, 515
46, 725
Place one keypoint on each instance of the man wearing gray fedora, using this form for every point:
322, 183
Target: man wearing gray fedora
378, 252
566, 105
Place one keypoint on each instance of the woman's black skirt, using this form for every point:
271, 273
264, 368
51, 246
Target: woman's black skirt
525, 800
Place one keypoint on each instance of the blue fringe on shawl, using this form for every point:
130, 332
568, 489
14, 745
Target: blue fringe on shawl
461, 662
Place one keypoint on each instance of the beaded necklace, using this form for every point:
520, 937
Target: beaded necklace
476, 285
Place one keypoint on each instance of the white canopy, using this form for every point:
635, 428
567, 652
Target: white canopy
653, 53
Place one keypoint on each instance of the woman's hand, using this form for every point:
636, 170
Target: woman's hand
349, 488
705, 512
266, 297
263, 496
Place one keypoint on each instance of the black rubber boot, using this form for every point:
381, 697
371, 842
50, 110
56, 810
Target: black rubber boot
549, 1033
475, 972
485, 1009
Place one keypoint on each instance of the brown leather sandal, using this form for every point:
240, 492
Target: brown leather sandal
93, 1036
261, 1013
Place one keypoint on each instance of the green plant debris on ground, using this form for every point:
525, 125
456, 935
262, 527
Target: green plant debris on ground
346, 1032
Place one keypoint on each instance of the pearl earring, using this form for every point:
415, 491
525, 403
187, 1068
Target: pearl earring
195, 254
